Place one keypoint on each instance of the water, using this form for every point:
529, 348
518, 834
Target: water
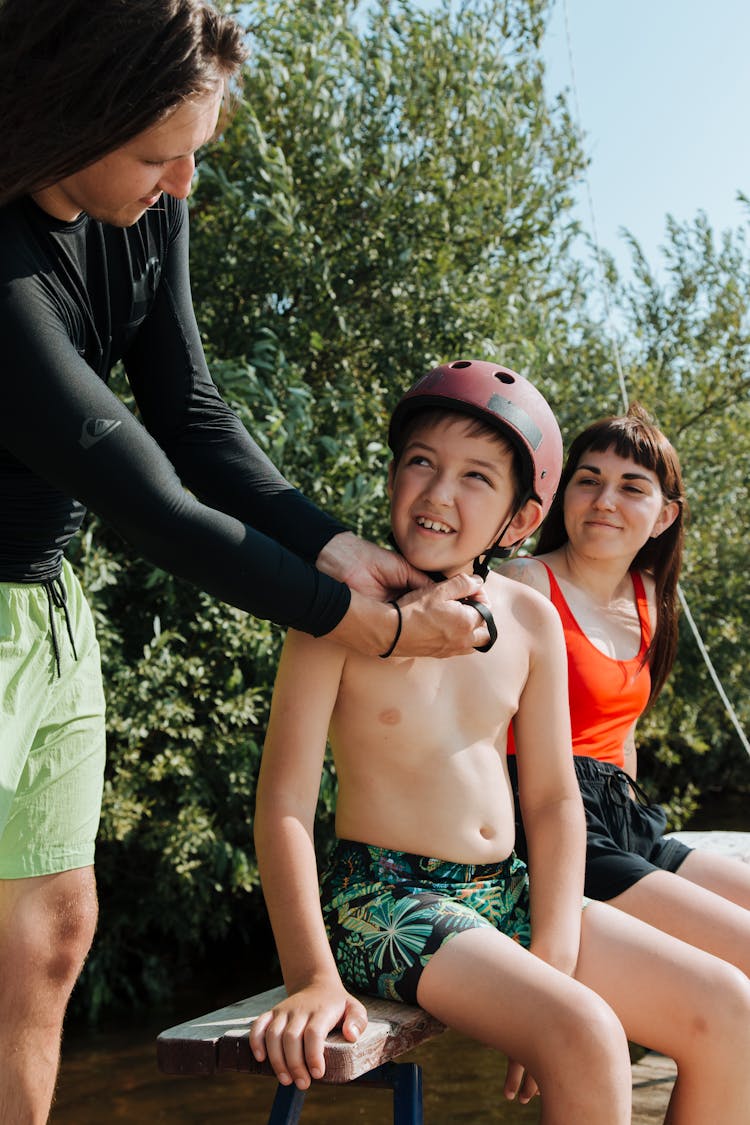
111, 1076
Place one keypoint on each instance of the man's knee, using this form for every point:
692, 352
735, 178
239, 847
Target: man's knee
48, 925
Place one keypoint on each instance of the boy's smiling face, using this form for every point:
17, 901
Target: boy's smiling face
452, 492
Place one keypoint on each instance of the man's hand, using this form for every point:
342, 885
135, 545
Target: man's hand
368, 569
435, 623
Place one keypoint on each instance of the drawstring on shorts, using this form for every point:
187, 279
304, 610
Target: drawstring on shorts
618, 785
57, 598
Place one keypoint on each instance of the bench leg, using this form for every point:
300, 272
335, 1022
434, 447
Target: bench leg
405, 1079
407, 1094
287, 1105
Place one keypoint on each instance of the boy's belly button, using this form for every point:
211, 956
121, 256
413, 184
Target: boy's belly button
487, 833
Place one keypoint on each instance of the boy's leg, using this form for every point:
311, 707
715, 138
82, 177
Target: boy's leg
46, 927
694, 905
487, 986
680, 1001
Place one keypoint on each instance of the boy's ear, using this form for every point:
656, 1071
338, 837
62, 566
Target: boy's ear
524, 523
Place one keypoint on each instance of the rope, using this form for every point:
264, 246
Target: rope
624, 391
592, 218
714, 675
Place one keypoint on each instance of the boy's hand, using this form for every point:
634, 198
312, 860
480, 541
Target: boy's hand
293, 1033
519, 1083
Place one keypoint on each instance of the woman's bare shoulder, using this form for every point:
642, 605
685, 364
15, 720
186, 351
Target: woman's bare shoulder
528, 571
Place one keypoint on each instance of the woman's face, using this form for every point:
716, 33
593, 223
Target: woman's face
613, 505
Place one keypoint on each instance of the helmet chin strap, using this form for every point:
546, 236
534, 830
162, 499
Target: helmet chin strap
482, 562
484, 611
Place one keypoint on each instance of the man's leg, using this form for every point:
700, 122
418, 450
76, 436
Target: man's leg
51, 775
46, 927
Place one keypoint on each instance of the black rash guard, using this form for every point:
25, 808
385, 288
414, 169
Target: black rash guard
75, 298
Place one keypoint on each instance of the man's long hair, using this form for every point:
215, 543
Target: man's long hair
637, 436
79, 78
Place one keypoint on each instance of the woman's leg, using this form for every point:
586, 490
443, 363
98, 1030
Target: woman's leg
725, 875
485, 985
694, 905
680, 1001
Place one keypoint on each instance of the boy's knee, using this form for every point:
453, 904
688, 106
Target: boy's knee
593, 1034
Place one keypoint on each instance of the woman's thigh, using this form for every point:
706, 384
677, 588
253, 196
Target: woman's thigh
665, 991
725, 875
681, 904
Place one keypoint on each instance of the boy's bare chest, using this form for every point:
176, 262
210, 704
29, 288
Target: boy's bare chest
452, 702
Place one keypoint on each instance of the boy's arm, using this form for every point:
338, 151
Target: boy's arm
549, 796
293, 1034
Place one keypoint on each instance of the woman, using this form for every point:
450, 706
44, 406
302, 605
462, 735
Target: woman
609, 557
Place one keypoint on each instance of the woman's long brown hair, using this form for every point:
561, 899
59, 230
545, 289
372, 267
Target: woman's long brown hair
79, 78
636, 435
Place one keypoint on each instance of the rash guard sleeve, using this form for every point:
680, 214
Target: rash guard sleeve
210, 448
231, 533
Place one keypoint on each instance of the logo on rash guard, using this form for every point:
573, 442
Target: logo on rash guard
94, 429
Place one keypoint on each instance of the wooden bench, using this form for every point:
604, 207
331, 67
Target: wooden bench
219, 1042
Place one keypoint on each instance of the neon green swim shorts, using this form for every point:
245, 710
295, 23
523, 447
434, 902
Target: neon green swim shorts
52, 742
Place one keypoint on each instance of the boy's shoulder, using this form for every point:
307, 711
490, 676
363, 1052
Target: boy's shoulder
523, 595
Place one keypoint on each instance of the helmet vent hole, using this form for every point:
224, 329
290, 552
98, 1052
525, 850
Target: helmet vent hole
460, 364
504, 377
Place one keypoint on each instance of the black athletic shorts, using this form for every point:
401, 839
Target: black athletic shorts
625, 836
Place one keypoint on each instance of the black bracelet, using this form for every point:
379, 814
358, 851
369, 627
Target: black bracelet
397, 607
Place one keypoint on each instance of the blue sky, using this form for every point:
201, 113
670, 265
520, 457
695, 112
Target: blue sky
663, 89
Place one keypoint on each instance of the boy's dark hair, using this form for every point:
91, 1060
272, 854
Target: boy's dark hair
476, 427
636, 435
80, 78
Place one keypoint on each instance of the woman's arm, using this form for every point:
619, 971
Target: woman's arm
293, 1034
630, 761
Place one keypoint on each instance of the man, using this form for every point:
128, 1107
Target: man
104, 104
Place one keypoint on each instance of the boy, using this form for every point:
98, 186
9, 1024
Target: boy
419, 748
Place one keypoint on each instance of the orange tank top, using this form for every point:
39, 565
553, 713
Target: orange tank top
606, 695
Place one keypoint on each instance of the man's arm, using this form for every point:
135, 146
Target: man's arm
293, 1034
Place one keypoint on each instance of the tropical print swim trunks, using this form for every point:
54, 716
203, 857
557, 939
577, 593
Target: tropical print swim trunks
386, 912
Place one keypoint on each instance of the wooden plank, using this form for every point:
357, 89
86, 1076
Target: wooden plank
219, 1041
653, 1079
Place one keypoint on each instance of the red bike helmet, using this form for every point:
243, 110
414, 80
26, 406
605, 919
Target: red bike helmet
501, 398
